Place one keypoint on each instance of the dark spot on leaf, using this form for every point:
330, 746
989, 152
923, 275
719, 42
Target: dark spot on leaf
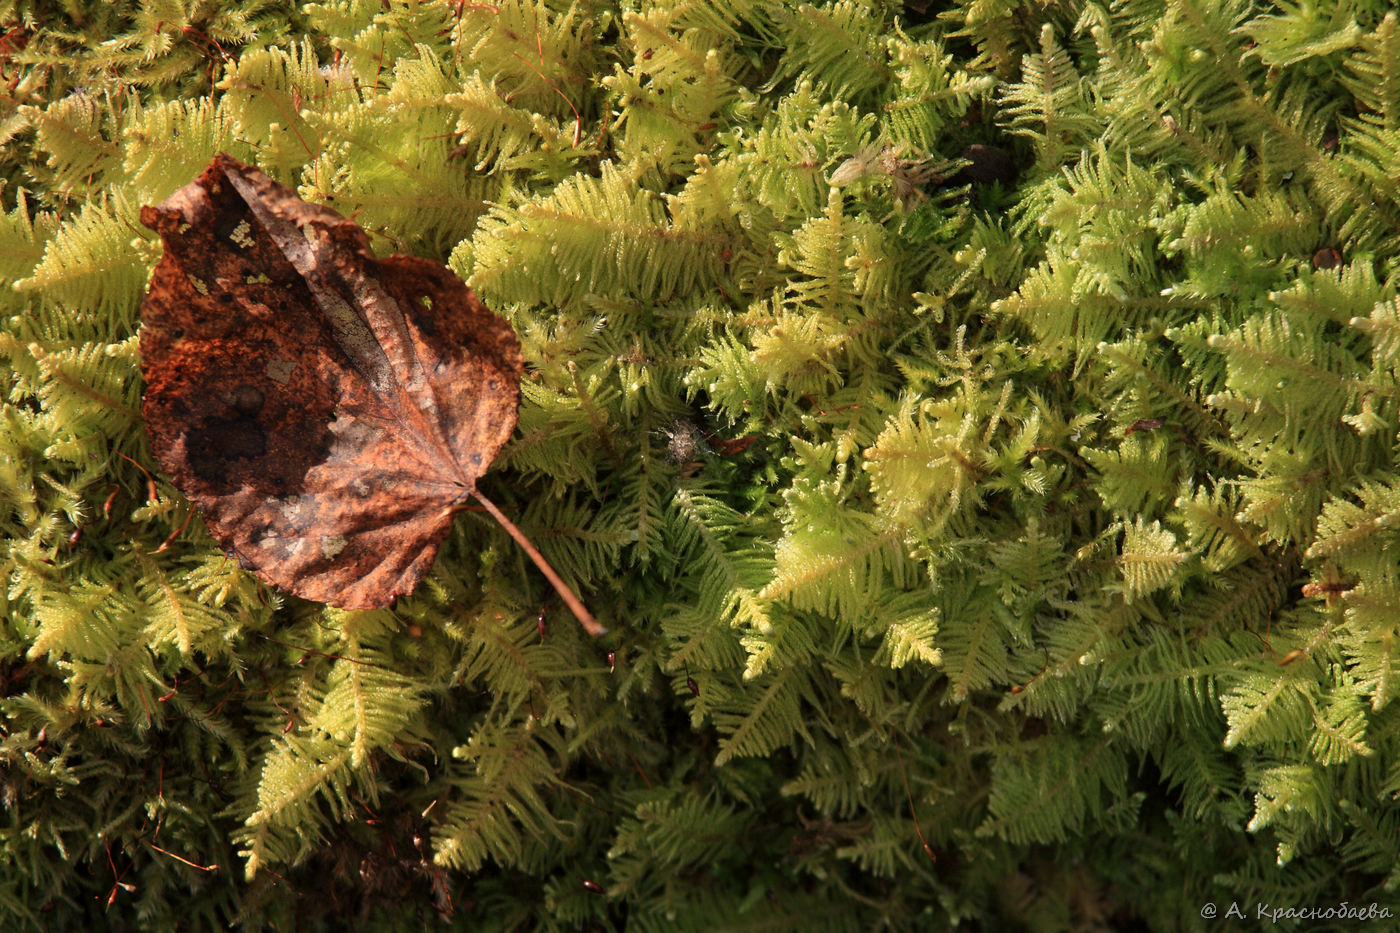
247, 400
213, 444
232, 215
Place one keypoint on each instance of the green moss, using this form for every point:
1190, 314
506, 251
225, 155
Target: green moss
1035, 504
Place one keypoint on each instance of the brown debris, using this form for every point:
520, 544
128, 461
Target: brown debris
1142, 424
327, 411
1328, 257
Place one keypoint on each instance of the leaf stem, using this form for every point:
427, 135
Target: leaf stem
585, 618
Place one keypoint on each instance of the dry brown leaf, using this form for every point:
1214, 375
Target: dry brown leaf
329, 412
